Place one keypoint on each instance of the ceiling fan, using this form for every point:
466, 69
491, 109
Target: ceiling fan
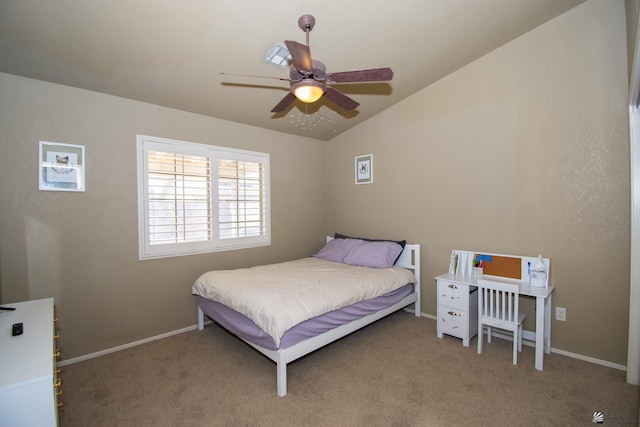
310, 81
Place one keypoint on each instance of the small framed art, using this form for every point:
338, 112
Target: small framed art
61, 167
364, 169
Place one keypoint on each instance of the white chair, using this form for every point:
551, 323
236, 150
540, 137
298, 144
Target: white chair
498, 308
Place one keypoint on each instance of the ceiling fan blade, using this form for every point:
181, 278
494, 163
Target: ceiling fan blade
259, 77
284, 103
340, 99
372, 75
301, 55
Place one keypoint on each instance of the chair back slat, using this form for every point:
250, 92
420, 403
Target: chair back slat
498, 307
499, 302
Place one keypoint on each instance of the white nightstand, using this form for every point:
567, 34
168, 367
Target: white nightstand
457, 308
29, 385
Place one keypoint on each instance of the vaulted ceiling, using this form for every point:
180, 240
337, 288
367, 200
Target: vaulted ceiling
171, 53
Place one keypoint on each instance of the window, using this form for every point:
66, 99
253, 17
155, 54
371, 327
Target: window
197, 198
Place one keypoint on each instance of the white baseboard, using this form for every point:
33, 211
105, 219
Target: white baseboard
589, 359
528, 339
429, 316
125, 346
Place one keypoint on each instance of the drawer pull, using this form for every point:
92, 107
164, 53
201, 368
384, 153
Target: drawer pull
56, 353
58, 383
453, 313
452, 286
56, 336
59, 404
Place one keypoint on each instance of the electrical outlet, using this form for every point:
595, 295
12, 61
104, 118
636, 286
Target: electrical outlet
561, 314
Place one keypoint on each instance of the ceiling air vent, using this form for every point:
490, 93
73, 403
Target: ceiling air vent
278, 55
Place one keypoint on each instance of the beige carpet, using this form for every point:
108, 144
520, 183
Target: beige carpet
395, 372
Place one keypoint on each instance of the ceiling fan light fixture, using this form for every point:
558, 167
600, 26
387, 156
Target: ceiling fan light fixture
308, 90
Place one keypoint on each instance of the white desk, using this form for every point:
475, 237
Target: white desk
543, 296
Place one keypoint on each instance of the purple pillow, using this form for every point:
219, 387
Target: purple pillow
402, 243
336, 249
373, 254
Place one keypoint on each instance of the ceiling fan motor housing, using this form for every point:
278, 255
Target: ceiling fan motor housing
306, 22
318, 73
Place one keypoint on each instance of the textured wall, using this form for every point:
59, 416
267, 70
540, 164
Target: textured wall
524, 151
82, 248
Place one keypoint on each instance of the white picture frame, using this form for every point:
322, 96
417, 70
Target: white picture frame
364, 169
61, 167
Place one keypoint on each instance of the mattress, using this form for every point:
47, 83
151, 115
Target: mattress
245, 328
277, 297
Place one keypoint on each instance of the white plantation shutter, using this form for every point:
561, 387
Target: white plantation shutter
179, 197
196, 198
241, 201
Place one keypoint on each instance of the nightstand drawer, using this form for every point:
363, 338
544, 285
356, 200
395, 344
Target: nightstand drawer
453, 295
457, 309
453, 322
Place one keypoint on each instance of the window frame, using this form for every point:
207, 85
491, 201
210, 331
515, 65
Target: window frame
146, 250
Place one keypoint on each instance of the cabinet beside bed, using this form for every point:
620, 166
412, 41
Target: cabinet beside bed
457, 309
29, 383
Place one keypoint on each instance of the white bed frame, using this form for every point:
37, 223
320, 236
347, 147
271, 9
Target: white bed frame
410, 258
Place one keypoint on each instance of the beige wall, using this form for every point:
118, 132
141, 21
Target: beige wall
631, 8
81, 248
524, 151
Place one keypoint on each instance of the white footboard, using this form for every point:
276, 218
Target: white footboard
284, 356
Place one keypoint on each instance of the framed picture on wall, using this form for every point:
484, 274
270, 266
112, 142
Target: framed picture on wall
364, 169
61, 167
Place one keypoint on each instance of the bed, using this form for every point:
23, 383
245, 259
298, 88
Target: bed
288, 310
